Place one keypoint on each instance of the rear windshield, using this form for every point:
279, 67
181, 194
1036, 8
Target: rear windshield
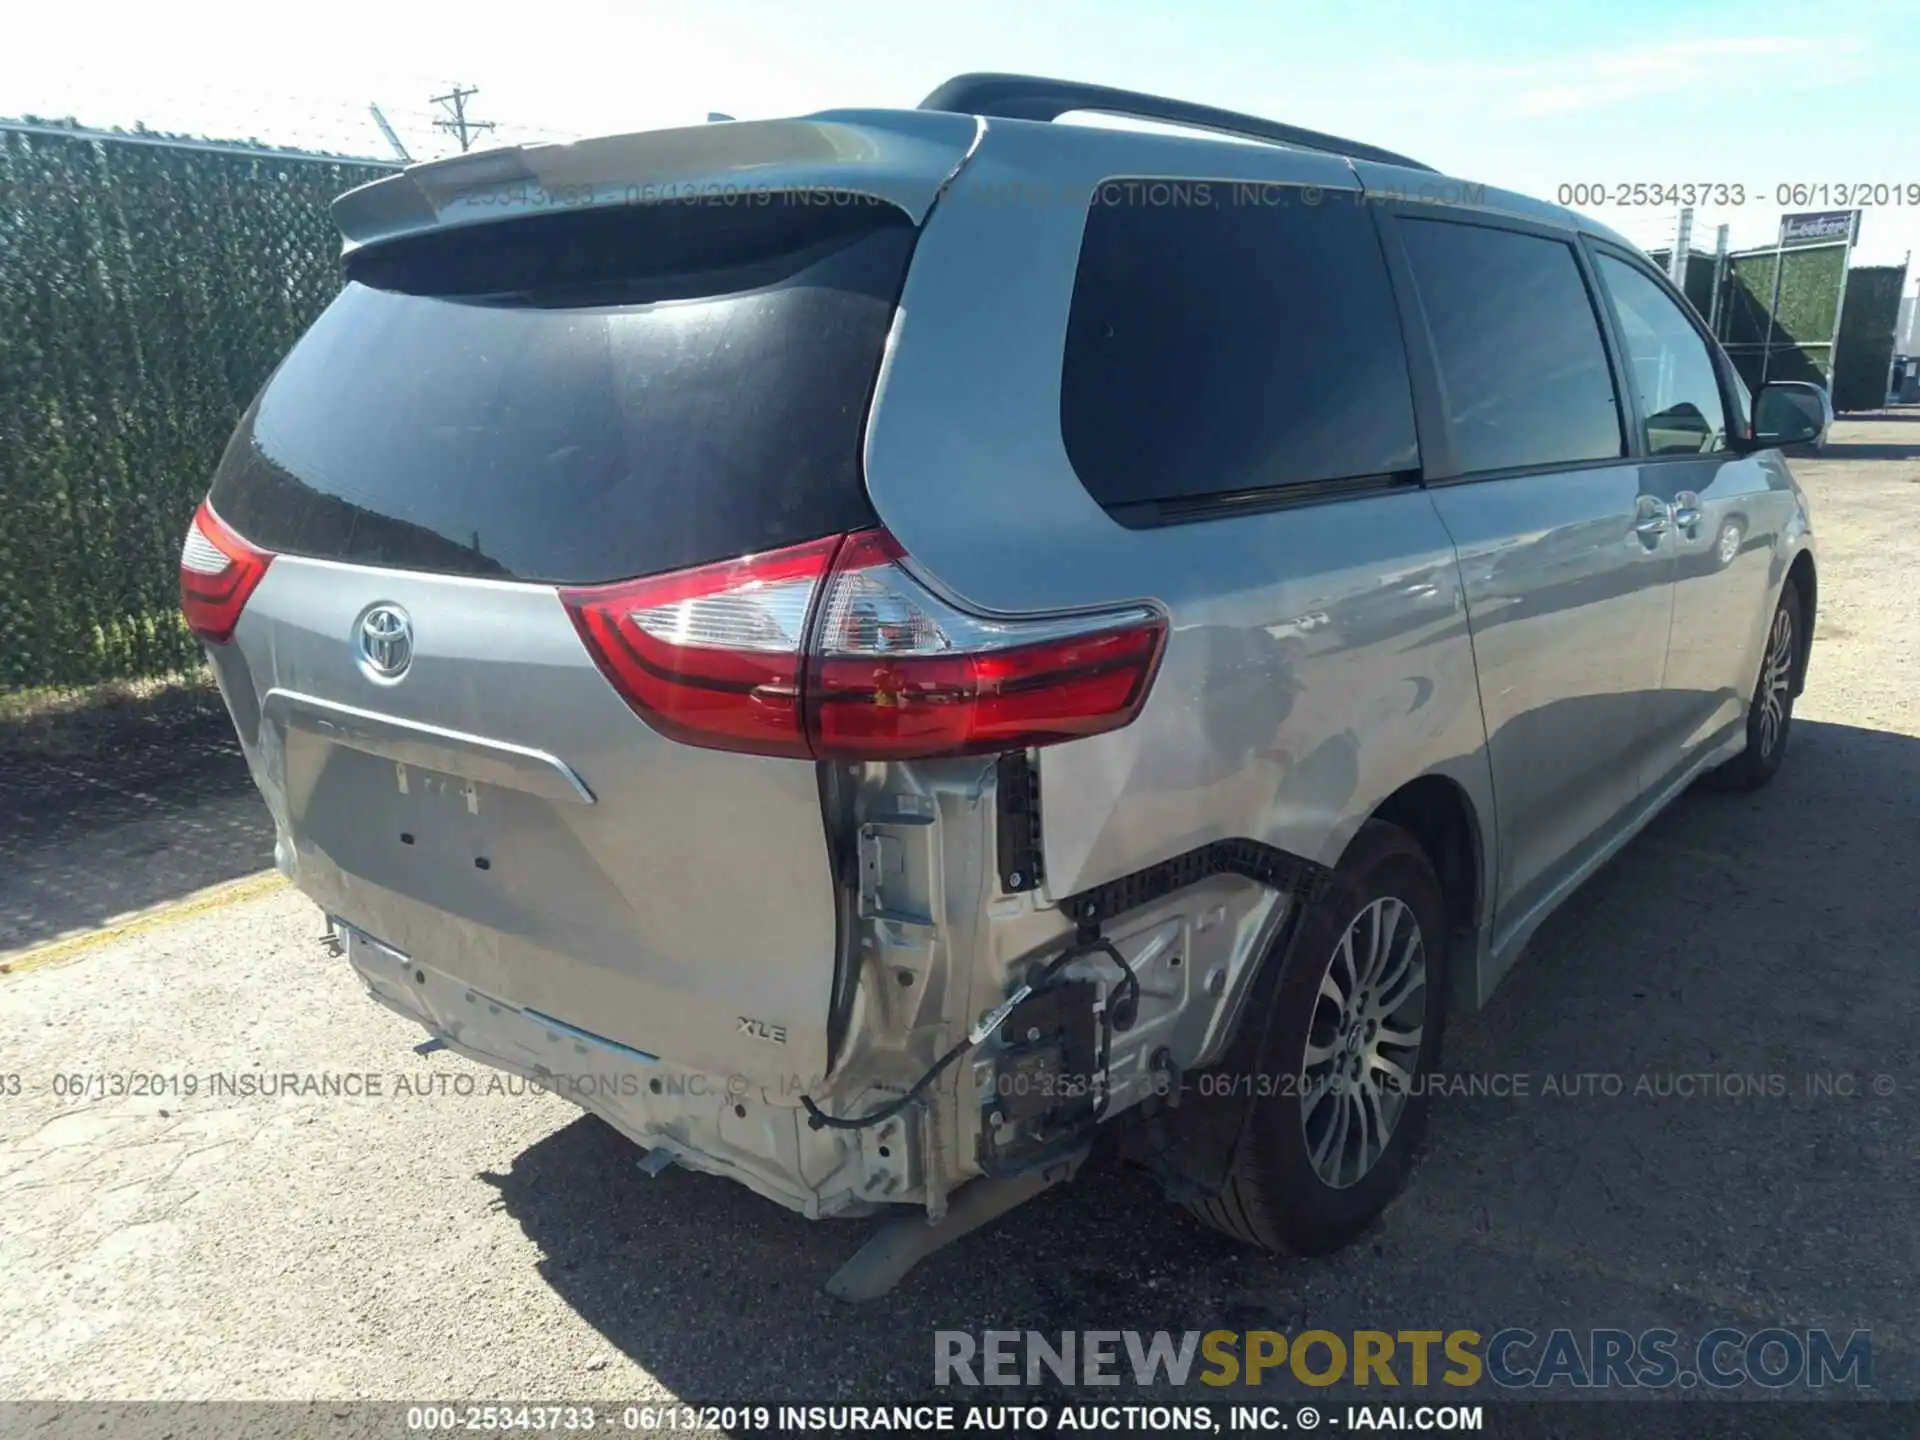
580, 398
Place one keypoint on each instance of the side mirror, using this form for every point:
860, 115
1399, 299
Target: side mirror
1789, 412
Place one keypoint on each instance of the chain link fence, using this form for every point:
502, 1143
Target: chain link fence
147, 287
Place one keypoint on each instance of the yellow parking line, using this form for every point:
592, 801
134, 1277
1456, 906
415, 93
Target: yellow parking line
215, 897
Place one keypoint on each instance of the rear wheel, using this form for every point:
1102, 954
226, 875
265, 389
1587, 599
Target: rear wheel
1770, 712
1339, 1107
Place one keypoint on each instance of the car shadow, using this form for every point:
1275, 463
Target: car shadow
119, 809
1742, 933
717, 1292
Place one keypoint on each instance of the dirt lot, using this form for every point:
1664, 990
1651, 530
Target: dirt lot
503, 1246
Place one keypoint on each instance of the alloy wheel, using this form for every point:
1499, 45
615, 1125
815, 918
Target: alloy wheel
1363, 1043
1776, 681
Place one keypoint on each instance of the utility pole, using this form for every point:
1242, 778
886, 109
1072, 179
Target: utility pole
457, 122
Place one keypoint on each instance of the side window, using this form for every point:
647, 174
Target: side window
1216, 348
1672, 369
1521, 360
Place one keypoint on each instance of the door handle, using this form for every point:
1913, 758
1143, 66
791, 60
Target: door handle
1686, 512
1652, 518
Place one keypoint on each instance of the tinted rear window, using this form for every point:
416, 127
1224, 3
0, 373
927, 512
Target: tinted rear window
1521, 360
580, 398
1239, 345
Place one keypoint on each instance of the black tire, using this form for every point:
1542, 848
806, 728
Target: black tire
1767, 745
1274, 1196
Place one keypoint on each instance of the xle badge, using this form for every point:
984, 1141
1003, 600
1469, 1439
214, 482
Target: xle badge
762, 1030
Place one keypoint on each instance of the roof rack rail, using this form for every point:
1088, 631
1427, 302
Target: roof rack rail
1032, 97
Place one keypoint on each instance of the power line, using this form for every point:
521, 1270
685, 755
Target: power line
456, 121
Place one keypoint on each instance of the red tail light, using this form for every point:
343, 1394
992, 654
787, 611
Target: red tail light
711, 656
218, 571
896, 673
833, 650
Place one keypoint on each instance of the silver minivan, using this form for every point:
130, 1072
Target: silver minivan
867, 649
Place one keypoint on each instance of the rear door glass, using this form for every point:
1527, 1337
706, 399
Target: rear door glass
580, 398
1522, 365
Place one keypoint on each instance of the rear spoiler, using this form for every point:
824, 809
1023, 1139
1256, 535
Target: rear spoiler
902, 157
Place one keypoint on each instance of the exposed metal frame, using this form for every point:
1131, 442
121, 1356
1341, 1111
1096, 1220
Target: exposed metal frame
1034, 97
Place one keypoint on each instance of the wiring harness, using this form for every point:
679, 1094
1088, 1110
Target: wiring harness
1077, 947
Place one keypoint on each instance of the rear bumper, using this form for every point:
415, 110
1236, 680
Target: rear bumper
723, 1125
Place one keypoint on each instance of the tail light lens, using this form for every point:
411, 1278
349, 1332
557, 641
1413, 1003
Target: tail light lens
218, 572
711, 656
834, 650
897, 673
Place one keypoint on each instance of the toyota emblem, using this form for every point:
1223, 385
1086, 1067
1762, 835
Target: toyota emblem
386, 642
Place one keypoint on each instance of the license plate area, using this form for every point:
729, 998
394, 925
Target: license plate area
448, 816
438, 863
434, 787
401, 825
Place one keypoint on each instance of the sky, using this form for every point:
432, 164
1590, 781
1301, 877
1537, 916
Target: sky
1528, 96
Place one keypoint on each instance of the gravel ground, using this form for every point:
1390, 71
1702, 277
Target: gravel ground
502, 1246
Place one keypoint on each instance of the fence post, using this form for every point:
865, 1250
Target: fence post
1682, 243
1906, 269
1840, 301
1773, 305
1719, 280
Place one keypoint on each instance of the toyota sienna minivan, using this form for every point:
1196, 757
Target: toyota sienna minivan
867, 648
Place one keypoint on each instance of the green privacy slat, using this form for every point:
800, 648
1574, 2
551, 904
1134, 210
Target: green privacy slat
1867, 322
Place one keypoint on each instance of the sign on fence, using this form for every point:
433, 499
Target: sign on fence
1811, 227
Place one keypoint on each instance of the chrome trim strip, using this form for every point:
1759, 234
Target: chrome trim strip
411, 742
